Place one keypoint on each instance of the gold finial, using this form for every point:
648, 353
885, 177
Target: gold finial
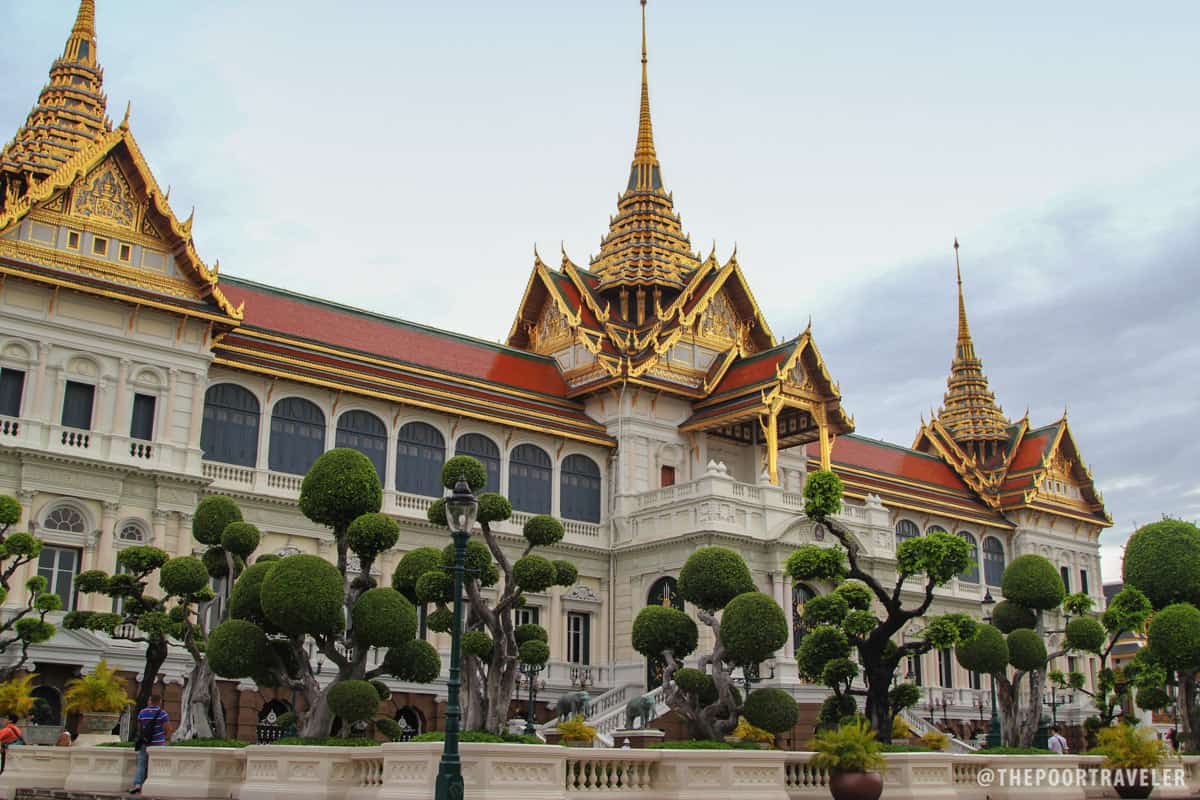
81, 47
128, 111
644, 154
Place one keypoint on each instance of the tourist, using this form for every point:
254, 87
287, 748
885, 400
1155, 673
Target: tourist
1058, 744
153, 727
9, 734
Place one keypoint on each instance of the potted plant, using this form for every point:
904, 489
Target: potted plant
851, 754
1130, 754
99, 697
575, 732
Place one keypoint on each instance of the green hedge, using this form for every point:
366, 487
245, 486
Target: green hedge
1013, 751
703, 744
327, 741
234, 743
479, 737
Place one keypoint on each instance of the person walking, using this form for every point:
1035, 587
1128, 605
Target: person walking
1058, 743
153, 728
9, 734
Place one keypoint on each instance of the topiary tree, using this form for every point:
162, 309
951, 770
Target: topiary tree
144, 619
1173, 642
279, 606
25, 625
1013, 649
229, 542
872, 616
750, 628
491, 649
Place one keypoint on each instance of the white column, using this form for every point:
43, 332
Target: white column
36, 408
167, 425
199, 381
779, 581
119, 400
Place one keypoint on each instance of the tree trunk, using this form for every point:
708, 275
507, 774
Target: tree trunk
318, 720
879, 706
1190, 718
156, 654
203, 714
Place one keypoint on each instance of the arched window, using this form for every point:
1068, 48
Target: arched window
971, 573
529, 471
801, 594
579, 489
934, 529
49, 711
65, 518
663, 592
297, 436
481, 447
411, 722
993, 561
132, 533
420, 454
230, 430
364, 432
905, 530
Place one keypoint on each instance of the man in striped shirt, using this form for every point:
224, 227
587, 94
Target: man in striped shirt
153, 727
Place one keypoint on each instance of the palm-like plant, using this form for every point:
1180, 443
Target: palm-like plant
101, 692
850, 748
16, 695
1131, 747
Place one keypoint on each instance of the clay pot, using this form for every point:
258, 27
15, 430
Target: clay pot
98, 722
856, 785
1133, 783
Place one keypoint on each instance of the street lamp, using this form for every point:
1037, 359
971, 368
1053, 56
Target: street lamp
993, 734
1054, 703
531, 672
461, 508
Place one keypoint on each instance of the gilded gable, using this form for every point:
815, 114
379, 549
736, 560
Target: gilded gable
552, 330
104, 196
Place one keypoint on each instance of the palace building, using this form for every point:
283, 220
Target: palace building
642, 397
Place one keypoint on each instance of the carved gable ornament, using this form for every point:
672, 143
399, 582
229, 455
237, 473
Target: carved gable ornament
552, 331
719, 322
104, 195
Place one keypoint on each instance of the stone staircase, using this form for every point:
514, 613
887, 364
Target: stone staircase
606, 713
920, 727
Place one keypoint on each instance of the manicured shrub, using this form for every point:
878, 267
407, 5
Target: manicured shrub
245, 601
303, 594
810, 562
353, 701
213, 514
534, 573
240, 538
372, 534
826, 609
821, 645
1026, 650
530, 631
1153, 698
384, 618
142, 559
183, 576
773, 710
91, 581
752, 628
856, 594
1033, 582
543, 531
435, 587
535, 652
1008, 616
238, 649
477, 644
1086, 633
700, 684
1163, 560
341, 486
822, 494
10, 510
565, 573
471, 469
493, 508
712, 576
1174, 637
216, 565
986, 651
476, 559
440, 621
415, 661
412, 566
657, 629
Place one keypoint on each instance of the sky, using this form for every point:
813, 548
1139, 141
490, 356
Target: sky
407, 157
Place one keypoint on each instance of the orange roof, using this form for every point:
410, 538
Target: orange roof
326, 323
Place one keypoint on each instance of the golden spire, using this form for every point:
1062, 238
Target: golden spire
645, 244
70, 113
969, 411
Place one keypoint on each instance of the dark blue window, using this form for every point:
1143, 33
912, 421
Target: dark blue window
297, 436
529, 479
142, 424
481, 447
580, 489
905, 530
993, 561
420, 454
971, 573
230, 430
366, 433
12, 384
77, 405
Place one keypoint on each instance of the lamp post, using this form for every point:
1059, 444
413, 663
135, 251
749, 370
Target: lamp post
531, 672
461, 508
932, 720
993, 734
1054, 703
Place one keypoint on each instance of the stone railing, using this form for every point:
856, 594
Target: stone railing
542, 772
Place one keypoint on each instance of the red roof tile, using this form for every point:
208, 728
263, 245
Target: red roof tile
893, 460
337, 326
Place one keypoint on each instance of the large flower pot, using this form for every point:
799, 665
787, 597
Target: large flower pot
97, 722
856, 785
1132, 783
